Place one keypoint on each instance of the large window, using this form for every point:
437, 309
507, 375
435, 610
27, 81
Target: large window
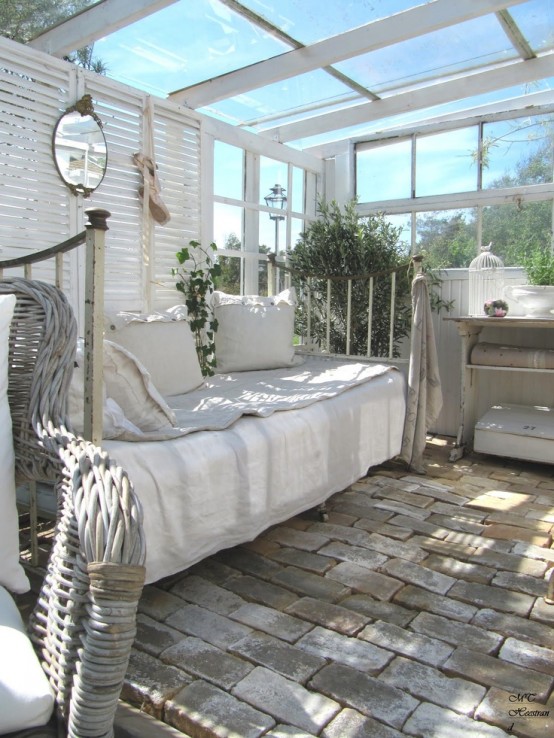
381, 171
261, 206
458, 189
445, 163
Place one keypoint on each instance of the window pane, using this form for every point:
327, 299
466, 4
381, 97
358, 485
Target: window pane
518, 152
517, 230
446, 162
262, 277
297, 227
228, 170
227, 226
403, 221
272, 235
272, 173
230, 278
383, 172
447, 237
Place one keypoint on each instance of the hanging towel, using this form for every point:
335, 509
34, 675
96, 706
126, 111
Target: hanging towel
424, 400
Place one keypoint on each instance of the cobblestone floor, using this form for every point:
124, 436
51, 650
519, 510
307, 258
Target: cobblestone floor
416, 609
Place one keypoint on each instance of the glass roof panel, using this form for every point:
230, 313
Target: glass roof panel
188, 42
535, 20
312, 20
447, 51
184, 44
313, 92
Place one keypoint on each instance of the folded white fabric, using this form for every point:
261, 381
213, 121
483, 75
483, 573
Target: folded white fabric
26, 698
132, 404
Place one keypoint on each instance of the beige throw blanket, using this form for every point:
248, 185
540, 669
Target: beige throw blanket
227, 397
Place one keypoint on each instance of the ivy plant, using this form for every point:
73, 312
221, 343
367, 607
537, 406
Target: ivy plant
196, 275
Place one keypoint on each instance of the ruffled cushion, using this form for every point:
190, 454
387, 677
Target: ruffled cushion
163, 342
132, 403
12, 574
254, 332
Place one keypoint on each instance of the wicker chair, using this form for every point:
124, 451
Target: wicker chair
84, 622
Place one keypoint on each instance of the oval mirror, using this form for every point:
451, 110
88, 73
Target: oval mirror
79, 147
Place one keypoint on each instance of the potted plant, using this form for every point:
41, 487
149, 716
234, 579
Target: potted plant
537, 297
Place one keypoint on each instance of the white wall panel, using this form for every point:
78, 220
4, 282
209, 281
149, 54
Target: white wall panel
37, 210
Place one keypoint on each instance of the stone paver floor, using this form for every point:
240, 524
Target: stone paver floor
415, 609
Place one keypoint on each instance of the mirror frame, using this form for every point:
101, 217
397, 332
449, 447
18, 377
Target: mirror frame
84, 107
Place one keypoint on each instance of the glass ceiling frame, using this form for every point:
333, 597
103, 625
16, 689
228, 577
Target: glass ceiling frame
284, 98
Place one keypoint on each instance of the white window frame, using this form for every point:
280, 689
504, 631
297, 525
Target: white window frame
478, 199
252, 205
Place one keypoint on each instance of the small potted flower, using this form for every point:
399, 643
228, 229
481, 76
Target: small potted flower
496, 308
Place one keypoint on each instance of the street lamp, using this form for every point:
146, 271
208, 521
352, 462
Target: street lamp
276, 199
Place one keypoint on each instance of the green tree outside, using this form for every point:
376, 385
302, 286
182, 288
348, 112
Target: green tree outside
22, 21
516, 230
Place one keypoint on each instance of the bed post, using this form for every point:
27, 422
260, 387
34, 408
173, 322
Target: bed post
94, 322
271, 274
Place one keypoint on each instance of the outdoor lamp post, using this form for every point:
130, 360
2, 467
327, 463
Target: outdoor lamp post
276, 199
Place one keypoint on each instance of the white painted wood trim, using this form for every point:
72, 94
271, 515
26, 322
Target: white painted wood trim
535, 103
263, 146
463, 86
455, 200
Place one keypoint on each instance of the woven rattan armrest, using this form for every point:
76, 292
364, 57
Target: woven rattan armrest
84, 622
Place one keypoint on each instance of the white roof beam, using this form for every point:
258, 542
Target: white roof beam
93, 23
534, 103
375, 35
459, 88
516, 37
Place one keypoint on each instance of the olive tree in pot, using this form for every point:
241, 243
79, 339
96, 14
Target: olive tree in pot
340, 243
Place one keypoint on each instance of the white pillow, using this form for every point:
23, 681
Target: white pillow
131, 401
164, 344
12, 574
254, 332
26, 698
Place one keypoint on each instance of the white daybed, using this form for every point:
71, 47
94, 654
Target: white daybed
211, 489
221, 460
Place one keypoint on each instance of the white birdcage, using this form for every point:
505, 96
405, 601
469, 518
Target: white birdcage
486, 280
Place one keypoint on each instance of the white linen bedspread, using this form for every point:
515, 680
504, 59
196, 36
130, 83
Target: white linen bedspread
211, 489
227, 397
